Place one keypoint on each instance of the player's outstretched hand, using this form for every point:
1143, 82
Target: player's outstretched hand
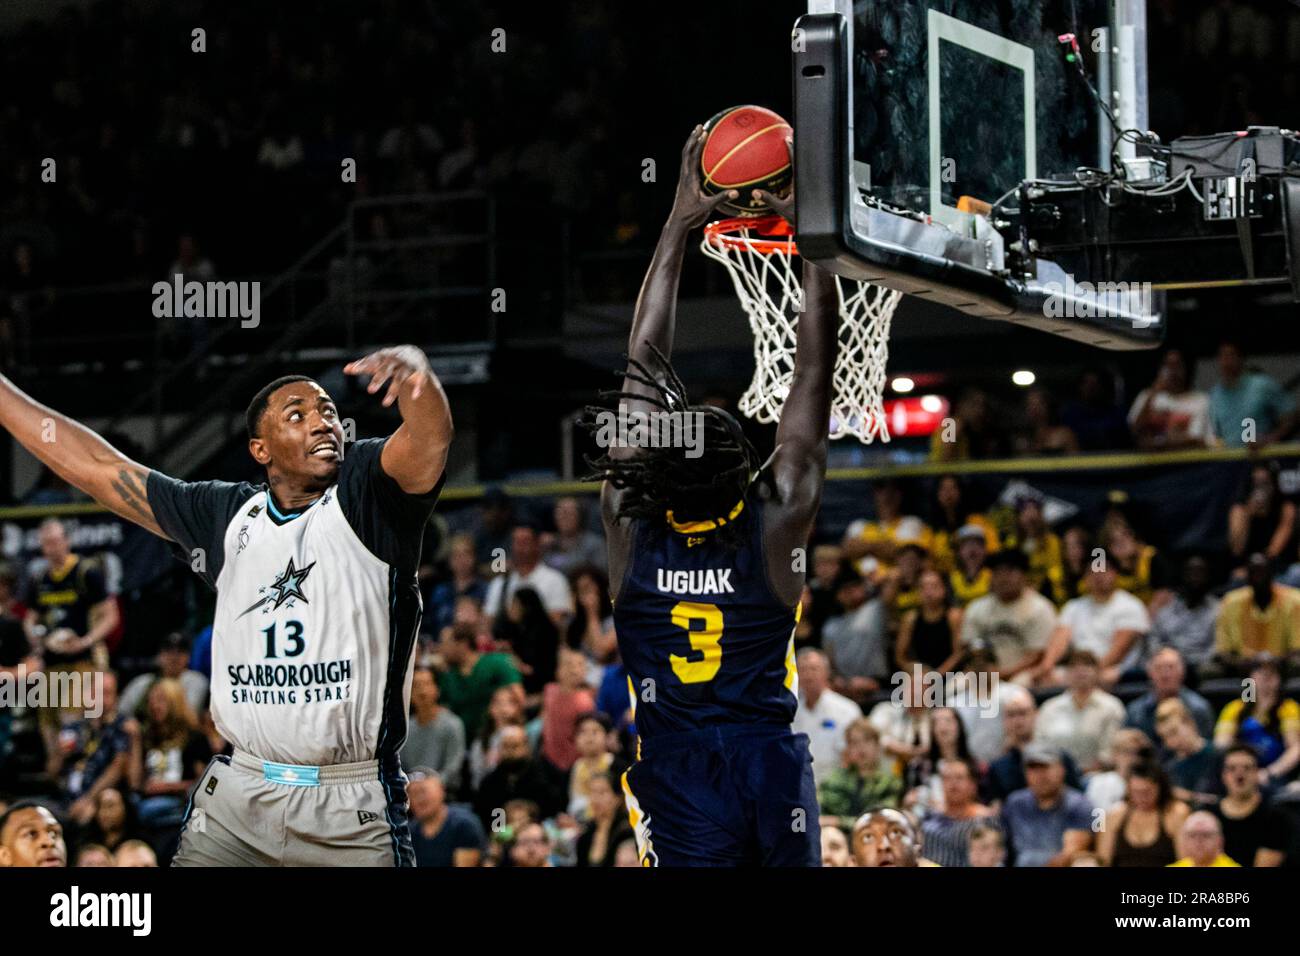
692, 206
402, 366
783, 207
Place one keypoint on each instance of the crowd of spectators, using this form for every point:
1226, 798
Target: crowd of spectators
977, 683
1244, 407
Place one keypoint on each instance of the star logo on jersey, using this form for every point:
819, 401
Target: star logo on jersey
286, 589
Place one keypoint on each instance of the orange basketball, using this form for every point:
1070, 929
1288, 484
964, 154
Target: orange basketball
745, 150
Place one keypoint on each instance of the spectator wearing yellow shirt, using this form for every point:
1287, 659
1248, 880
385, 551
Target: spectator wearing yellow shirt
1143, 572
971, 578
950, 514
1036, 540
1269, 724
873, 544
1201, 842
901, 587
1068, 580
1263, 617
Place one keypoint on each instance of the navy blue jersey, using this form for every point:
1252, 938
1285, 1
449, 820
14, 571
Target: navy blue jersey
703, 637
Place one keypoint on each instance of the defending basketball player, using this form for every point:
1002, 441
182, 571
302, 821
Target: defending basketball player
702, 557
317, 608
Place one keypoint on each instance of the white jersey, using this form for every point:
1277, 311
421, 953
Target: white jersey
317, 612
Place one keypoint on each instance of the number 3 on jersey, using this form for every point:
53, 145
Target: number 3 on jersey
705, 640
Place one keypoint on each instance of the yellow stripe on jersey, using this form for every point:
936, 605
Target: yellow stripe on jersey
693, 527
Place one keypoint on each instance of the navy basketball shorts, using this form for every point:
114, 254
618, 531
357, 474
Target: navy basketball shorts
731, 795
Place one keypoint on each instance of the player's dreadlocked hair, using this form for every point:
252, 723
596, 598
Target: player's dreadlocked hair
660, 479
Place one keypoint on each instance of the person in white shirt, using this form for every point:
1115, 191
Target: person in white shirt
1108, 621
822, 714
1169, 414
528, 571
1012, 622
1083, 720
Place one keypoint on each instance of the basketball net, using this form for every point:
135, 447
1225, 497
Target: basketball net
760, 255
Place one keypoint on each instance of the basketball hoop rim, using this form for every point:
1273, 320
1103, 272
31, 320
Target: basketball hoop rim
747, 234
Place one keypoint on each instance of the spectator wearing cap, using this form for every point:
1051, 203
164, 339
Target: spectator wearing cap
527, 571
1254, 833
1107, 621
1190, 759
443, 834
172, 661
1012, 621
435, 737
1083, 719
862, 782
855, 641
950, 513
1263, 617
1268, 722
1140, 830
1261, 520
970, 578
930, 635
822, 714
1036, 539
1166, 672
947, 833
1169, 414
1047, 823
1186, 622
1248, 407
873, 543
1006, 775
1201, 842
573, 544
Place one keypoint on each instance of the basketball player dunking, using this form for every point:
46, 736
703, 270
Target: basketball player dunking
702, 557
317, 608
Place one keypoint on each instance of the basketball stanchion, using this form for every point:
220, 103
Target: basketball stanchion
759, 254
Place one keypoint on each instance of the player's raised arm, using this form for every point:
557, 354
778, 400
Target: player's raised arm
415, 455
78, 455
802, 437
655, 318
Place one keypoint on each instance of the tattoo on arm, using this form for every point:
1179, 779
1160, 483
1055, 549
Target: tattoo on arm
130, 487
